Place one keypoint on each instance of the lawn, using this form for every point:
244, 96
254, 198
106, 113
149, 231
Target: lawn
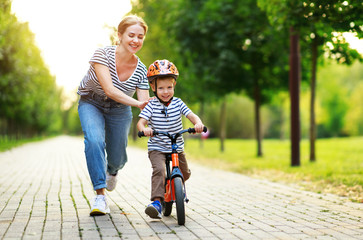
338, 168
7, 143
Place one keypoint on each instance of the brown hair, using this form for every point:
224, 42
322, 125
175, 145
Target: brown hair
166, 77
130, 20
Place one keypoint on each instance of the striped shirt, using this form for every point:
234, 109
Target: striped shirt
166, 119
106, 56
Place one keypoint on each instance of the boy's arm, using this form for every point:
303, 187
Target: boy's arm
198, 125
142, 127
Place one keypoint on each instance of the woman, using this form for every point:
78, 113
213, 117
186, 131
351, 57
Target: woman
104, 108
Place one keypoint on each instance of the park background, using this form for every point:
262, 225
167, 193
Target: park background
234, 61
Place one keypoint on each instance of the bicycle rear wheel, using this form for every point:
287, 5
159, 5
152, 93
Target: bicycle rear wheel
179, 200
168, 207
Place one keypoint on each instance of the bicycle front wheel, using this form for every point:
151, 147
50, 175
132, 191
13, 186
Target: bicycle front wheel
179, 200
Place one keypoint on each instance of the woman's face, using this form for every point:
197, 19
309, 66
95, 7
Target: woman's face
133, 38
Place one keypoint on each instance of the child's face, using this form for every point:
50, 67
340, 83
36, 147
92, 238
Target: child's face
165, 88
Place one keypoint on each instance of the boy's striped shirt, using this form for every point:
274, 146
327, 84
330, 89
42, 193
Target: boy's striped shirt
166, 119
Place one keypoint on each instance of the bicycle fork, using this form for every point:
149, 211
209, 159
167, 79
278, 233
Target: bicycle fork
169, 180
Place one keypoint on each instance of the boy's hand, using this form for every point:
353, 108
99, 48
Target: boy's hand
148, 132
199, 127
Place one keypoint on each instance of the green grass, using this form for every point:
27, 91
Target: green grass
338, 168
7, 143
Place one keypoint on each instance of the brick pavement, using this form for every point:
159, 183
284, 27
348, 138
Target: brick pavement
46, 193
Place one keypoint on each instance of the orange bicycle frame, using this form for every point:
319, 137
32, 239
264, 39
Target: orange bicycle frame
169, 188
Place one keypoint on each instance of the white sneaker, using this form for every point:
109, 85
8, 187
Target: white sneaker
111, 181
100, 206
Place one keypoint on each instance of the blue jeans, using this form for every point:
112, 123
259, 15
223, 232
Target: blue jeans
106, 130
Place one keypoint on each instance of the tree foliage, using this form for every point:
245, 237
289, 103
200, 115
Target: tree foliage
159, 43
29, 98
209, 34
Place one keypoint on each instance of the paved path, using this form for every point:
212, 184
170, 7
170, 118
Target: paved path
45, 193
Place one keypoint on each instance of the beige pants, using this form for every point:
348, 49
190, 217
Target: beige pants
157, 160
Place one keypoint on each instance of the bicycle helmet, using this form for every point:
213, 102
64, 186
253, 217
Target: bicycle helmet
162, 68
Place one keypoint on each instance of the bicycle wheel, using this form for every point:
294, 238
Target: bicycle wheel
179, 200
168, 208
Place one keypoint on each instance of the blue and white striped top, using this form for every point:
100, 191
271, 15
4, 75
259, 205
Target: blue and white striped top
166, 119
106, 56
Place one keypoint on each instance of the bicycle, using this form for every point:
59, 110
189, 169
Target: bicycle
174, 181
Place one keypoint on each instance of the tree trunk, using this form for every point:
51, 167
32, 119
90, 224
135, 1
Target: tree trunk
314, 55
3, 127
257, 118
201, 115
294, 79
223, 123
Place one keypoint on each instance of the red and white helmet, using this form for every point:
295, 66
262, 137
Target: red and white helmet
162, 68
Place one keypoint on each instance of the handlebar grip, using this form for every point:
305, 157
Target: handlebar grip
192, 130
142, 134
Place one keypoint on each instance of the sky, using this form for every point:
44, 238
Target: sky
68, 31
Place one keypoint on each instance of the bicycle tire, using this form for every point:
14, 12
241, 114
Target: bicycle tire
179, 200
168, 207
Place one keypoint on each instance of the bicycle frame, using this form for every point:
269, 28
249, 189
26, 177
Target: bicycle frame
175, 172
172, 157
174, 180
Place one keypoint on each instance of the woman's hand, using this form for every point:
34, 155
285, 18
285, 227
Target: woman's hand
143, 97
141, 105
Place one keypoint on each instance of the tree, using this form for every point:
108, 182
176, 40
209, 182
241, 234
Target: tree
283, 14
203, 58
159, 43
217, 42
265, 52
206, 32
324, 20
318, 23
29, 98
231, 47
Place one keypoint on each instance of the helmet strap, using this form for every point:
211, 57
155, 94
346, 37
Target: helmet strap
163, 102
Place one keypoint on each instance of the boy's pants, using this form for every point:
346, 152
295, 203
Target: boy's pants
157, 160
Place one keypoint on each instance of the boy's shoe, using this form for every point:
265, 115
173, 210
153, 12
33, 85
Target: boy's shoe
99, 206
154, 209
111, 181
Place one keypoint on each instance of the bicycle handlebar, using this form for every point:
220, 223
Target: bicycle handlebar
189, 130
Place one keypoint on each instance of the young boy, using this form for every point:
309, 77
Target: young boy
164, 113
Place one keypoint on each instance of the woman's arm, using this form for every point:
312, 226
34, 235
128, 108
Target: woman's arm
142, 95
104, 77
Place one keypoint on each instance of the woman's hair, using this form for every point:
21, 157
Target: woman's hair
130, 20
